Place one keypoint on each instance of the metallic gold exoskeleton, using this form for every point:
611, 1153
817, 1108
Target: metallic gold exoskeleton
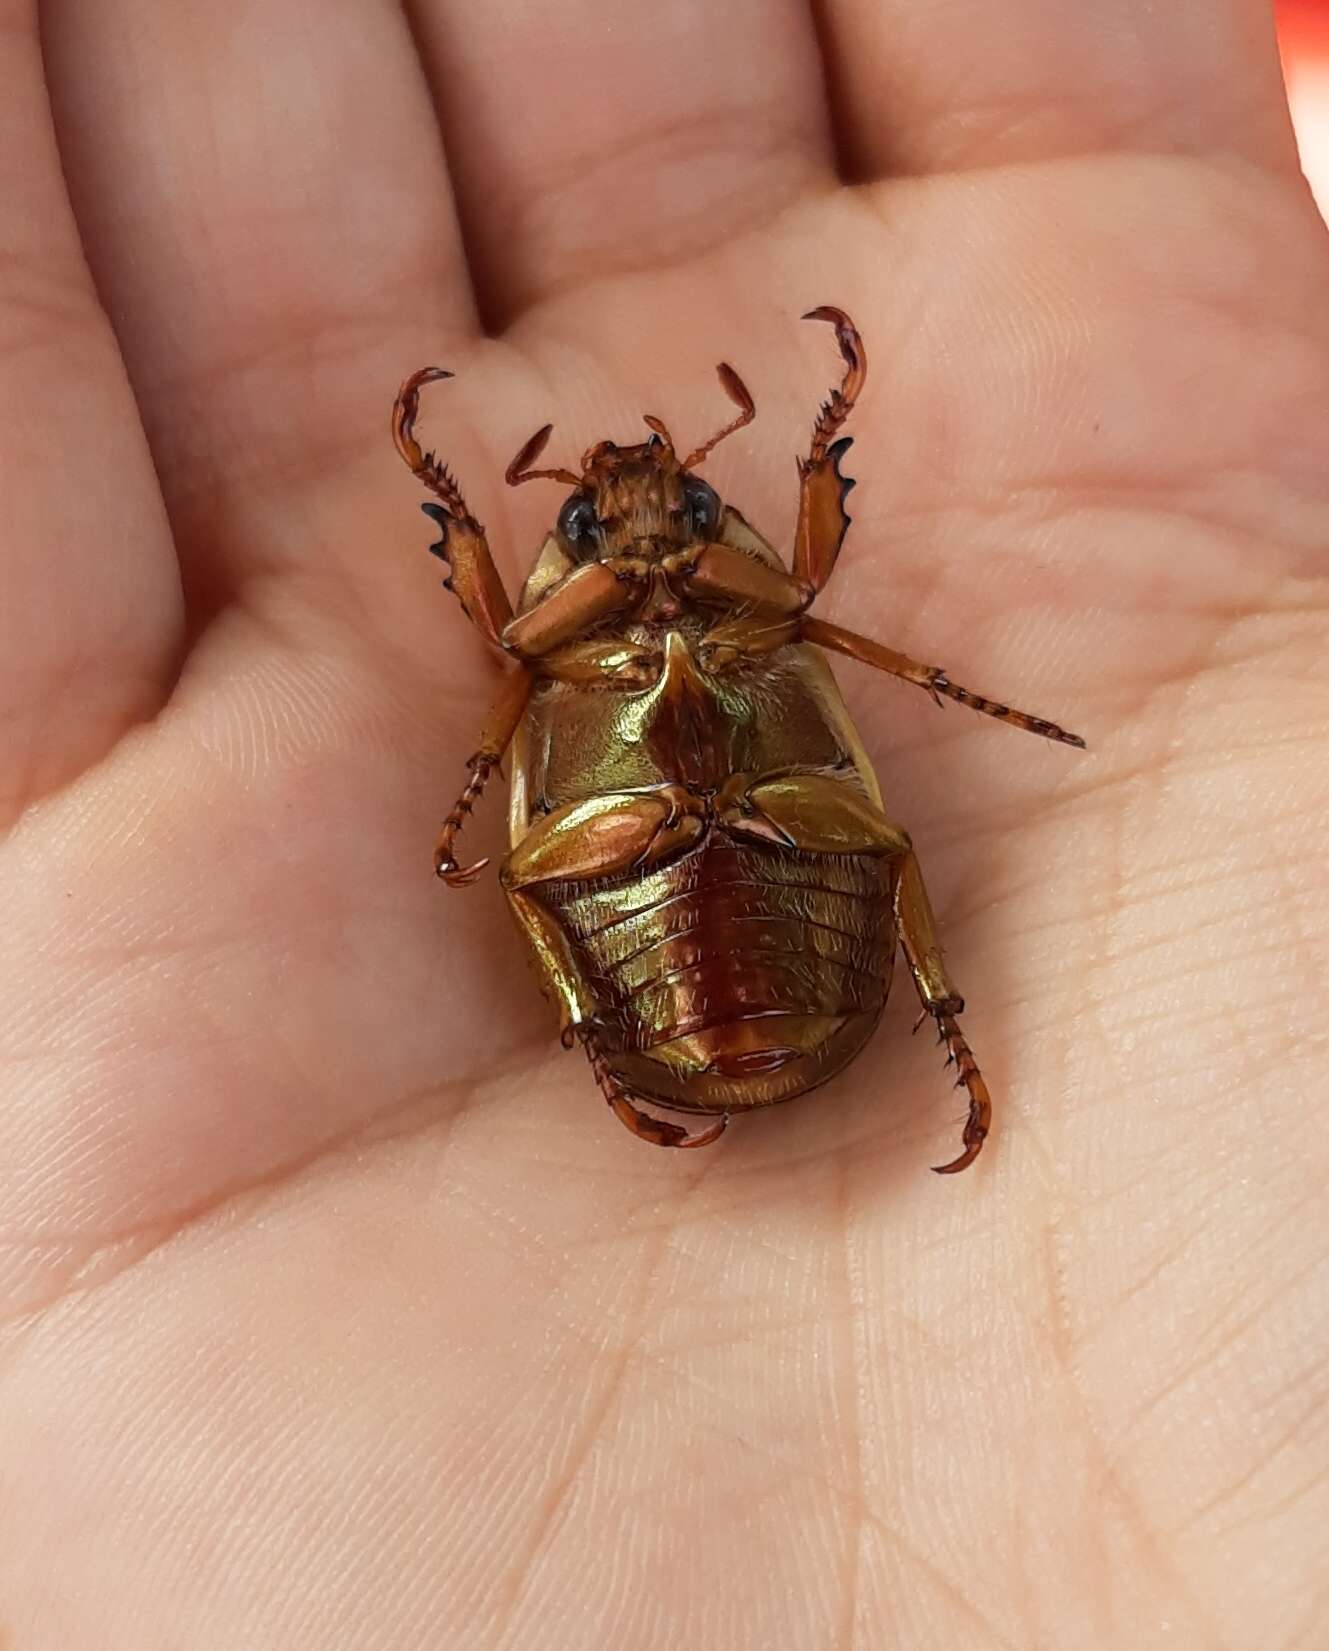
700, 862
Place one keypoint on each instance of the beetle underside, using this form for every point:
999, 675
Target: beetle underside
719, 990
700, 863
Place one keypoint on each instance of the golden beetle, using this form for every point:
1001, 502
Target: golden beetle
700, 862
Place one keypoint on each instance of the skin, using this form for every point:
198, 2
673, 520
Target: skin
337, 1310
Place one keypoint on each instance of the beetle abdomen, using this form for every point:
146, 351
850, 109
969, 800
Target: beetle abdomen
734, 976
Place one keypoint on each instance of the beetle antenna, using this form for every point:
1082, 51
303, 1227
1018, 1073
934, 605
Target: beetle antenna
518, 471
741, 396
660, 428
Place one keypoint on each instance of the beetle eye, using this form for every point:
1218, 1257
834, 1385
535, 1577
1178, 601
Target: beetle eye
704, 507
578, 525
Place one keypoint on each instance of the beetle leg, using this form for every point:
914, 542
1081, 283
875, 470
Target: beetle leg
558, 964
821, 814
603, 836
744, 638
822, 517
931, 678
936, 990
499, 727
731, 578
472, 576
586, 597
582, 841
813, 813
718, 574
658, 1131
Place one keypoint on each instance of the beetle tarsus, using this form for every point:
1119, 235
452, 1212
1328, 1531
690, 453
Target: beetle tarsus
425, 466
458, 876
932, 679
939, 683
657, 1131
445, 863
839, 403
971, 1079
500, 724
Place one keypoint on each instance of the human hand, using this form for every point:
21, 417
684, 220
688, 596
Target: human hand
338, 1310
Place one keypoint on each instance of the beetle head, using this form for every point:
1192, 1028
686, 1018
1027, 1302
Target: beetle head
638, 500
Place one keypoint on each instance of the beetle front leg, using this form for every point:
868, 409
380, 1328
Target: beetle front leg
495, 737
931, 678
822, 517
940, 999
472, 576
729, 578
590, 594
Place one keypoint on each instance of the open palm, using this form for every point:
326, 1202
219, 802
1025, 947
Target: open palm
338, 1311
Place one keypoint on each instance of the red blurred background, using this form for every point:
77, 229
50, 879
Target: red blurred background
1303, 27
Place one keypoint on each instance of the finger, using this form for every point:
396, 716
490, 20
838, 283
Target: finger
265, 203
604, 135
90, 608
965, 83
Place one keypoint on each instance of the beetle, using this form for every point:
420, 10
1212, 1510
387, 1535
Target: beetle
700, 863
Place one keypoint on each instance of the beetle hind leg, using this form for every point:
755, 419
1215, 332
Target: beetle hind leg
936, 990
970, 1079
621, 1103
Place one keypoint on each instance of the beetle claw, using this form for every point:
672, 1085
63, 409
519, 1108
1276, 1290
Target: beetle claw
971, 1079
458, 877
971, 1151
658, 1131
